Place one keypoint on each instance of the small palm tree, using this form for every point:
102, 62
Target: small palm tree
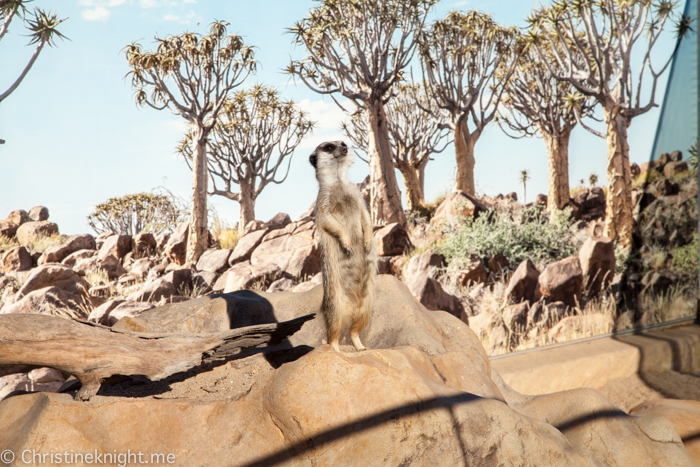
593, 179
524, 177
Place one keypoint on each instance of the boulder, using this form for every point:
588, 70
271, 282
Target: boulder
562, 281
635, 170
472, 271
278, 221
675, 156
162, 240
140, 268
431, 295
424, 264
49, 301
423, 395
294, 251
685, 416
513, 196
115, 245
21, 383
597, 258
57, 253
523, 283
181, 278
245, 275
100, 314
252, 226
9, 226
176, 247
110, 264
668, 188
675, 168
214, 260
127, 309
657, 282
281, 285
54, 275
458, 205
32, 230
498, 262
515, 317
391, 240
144, 244
38, 213
541, 200
245, 246
16, 259
153, 291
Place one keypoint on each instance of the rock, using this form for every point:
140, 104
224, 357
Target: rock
684, 414
153, 291
9, 226
295, 252
100, 314
245, 246
523, 283
281, 285
308, 285
675, 168
515, 317
180, 278
562, 281
115, 245
56, 275
456, 206
214, 260
38, 213
498, 262
109, 264
635, 170
392, 240
595, 228
424, 264
49, 301
536, 314
279, 221
144, 244
16, 259
556, 311
675, 156
127, 309
57, 253
245, 275
140, 268
541, 200
597, 259
667, 188
252, 226
45, 375
513, 196
472, 271
32, 230
161, 240
22, 383
576, 327
176, 247
657, 282
431, 295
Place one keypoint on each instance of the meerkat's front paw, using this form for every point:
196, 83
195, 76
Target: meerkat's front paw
348, 251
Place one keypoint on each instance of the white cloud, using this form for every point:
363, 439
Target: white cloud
327, 117
180, 19
95, 14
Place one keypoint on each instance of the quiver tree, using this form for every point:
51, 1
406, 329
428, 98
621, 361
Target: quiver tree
133, 214
466, 61
537, 103
592, 47
414, 134
358, 49
191, 75
255, 135
43, 32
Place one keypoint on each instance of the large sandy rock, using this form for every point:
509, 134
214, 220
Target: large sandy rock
562, 281
685, 416
56, 275
57, 253
293, 249
39, 213
214, 260
391, 240
523, 283
245, 275
675, 168
245, 246
431, 295
458, 205
176, 247
16, 259
9, 226
115, 245
597, 257
110, 264
30, 231
144, 244
49, 300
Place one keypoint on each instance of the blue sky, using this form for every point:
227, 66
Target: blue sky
75, 137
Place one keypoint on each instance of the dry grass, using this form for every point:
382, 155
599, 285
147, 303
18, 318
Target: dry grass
192, 292
228, 239
42, 242
7, 243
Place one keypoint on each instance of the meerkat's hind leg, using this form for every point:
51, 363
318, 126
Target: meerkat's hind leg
359, 322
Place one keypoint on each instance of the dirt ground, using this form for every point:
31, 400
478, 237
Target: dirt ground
627, 393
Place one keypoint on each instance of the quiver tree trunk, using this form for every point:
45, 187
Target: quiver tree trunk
198, 239
413, 182
464, 153
618, 199
385, 197
247, 206
558, 162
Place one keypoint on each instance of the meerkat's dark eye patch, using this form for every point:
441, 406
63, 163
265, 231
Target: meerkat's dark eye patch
313, 158
329, 148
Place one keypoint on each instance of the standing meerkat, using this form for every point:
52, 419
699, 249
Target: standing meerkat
348, 253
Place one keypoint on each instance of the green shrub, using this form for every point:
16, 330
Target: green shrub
685, 259
133, 214
534, 237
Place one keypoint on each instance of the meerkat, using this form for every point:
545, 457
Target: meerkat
349, 258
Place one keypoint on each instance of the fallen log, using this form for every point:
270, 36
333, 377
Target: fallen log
92, 352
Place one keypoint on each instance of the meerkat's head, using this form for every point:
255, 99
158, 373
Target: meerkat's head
330, 158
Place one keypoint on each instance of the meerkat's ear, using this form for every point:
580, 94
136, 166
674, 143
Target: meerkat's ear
313, 158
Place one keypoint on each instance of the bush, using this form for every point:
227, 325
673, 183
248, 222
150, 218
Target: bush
491, 233
133, 214
685, 259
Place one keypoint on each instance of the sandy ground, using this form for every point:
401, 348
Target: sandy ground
627, 393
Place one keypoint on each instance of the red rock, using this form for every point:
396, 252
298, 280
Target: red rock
214, 260
458, 205
562, 281
57, 253
16, 259
115, 245
392, 240
144, 244
597, 257
515, 317
523, 283
245, 275
30, 231
498, 262
9, 226
56, 275
39, 213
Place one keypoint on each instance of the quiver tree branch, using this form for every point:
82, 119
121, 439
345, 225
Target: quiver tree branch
537, 103
192, 76
359, 49
591, 46
93, 353
415, 134
255, 136
467, 58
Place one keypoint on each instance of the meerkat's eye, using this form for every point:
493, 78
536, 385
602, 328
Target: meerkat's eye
329, 148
